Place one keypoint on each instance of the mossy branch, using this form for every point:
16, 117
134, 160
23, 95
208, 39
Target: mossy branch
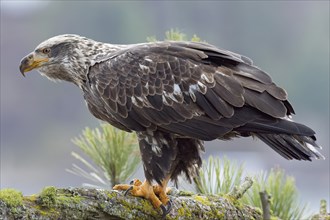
265, 203
238, 191
324, 214
78, 203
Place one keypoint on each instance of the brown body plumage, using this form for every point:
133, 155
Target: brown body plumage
176, 95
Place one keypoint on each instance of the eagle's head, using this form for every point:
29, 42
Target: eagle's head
65, 57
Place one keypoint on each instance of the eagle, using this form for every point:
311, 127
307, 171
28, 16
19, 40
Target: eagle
175, 96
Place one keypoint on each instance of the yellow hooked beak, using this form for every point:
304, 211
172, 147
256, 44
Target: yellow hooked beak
32, 61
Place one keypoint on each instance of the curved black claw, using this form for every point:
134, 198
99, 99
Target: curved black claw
166, 209
128, 190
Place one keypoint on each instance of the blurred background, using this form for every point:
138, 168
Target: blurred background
289, 40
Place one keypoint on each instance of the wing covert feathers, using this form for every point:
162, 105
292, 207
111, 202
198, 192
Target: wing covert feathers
195, 90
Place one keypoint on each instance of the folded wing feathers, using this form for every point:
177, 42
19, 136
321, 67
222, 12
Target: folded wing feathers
196, 90
265, 103
156, 80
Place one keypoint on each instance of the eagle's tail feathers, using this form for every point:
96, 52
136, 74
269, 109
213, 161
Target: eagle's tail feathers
278, 126
290, 139
292, 146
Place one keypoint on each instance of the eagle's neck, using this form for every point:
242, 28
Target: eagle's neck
87, 55
75, 66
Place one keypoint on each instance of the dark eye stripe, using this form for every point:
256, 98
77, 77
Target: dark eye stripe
58, 48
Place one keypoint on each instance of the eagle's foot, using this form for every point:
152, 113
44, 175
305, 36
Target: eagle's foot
155, 194
134, 182
161, 193
167, 209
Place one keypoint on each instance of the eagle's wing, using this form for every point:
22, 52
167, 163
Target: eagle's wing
168, 83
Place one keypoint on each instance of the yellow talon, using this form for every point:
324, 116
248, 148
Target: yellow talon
155, 194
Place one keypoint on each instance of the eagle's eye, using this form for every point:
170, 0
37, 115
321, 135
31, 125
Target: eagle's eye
46, 50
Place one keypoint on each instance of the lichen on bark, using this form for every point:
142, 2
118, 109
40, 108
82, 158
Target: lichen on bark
82, 203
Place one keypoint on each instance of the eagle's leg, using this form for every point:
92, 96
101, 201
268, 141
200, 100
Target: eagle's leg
158, 151
156, 194
162, 190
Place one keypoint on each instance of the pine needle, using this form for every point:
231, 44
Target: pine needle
114, 152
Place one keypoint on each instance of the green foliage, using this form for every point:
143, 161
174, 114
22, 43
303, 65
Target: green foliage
152, 38
285, 203
11, 197
195, 38
218, 176
175, 35
114, 152
47, 197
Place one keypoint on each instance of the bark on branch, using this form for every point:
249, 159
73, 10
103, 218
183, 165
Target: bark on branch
265, 202
78, 203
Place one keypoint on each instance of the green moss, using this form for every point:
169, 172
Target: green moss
202, 199
51, 199
147, 207
11, 197
229, 198
47, 212
185, 193
220, 215
143, 205
68, 200
43, 212
186, 210
125, 203
47, 197
102, 206
181, 211
33, 198
111, 194
238, 204
258, 210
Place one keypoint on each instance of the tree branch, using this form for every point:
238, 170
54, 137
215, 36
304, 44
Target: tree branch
238, 191
323, 215
265, 203
78, 203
